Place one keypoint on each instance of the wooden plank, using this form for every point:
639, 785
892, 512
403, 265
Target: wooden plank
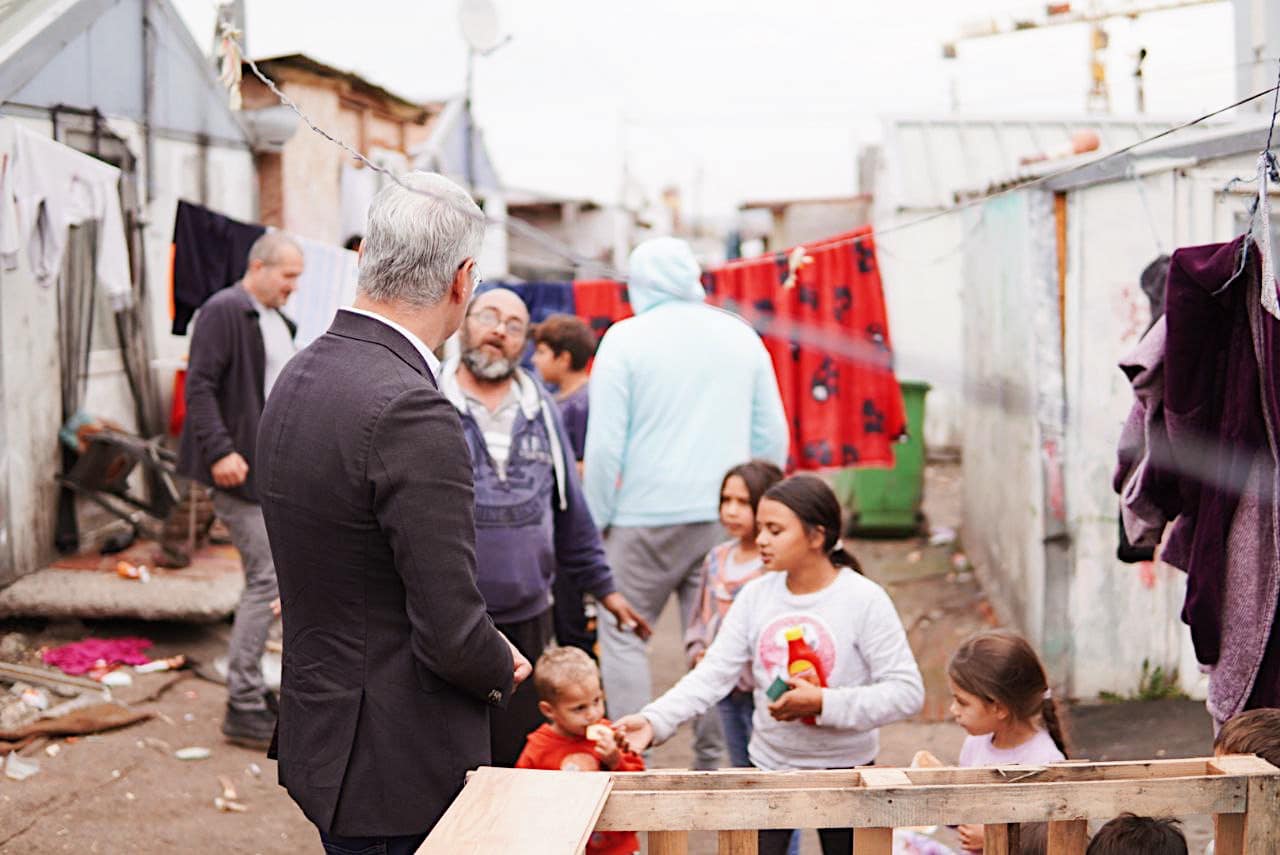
738, 843
1000, 839
881, 779
873, 841
1262, 820
1054, 772
668, 843
1063, 772
521, 810
1228, 834
920, 805
1241, 764
733, 780
1070, 837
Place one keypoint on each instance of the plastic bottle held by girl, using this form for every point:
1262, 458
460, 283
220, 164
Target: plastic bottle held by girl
802, 660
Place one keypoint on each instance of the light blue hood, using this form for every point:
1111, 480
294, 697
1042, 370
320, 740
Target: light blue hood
662, 270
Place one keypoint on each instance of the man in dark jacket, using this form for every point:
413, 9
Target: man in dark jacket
531, 519
391, 664
241, 342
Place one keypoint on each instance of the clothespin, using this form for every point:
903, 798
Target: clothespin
229, 52
797, 261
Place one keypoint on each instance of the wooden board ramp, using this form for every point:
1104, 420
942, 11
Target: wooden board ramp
521, 810
553, 813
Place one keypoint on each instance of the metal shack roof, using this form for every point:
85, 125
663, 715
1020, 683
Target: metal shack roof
88, 55
931, 159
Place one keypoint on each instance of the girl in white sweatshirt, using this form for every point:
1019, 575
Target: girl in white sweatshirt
848, 621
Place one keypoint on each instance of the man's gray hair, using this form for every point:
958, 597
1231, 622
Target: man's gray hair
416, 241
267, 248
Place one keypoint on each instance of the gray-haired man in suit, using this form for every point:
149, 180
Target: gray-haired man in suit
391, 663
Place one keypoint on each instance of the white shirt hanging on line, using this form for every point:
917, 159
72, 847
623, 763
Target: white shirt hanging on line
45, 189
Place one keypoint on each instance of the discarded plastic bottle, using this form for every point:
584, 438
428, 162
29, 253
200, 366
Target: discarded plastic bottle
801, 660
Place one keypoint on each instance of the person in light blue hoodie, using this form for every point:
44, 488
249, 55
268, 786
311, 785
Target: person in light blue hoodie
679, 394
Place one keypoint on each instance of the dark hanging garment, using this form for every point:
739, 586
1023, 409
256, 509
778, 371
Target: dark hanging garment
210, 252
1218, 479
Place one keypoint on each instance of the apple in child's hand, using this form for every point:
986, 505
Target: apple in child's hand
598, 732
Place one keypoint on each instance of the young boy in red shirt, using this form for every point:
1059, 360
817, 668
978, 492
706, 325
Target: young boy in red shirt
577, 737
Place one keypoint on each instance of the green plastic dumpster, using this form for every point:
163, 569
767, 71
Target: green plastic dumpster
886, 502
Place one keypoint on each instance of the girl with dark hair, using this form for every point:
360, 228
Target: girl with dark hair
729, 567
848, 625
1000, 696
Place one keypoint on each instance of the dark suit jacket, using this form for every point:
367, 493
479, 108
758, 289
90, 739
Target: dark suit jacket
390, 662
225, 375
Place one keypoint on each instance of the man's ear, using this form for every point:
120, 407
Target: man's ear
460, 287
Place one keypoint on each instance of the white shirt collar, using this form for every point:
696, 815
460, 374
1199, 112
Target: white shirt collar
433, 364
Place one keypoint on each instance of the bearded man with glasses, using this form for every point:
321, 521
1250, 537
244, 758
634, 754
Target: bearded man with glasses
531, 519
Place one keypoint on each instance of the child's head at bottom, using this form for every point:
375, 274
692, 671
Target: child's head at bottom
1253, 732
569, 693
1138, 835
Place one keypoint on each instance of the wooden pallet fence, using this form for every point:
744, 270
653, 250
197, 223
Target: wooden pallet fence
1242, 793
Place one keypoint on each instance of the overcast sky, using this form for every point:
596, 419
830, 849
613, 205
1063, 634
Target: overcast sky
731, 99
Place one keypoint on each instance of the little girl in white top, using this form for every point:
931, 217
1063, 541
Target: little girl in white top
1001, 697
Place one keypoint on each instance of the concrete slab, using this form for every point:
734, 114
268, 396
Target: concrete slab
88, 586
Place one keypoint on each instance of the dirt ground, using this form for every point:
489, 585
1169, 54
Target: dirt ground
125, 792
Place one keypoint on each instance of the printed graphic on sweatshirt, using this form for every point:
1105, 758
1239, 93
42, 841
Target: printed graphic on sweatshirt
582, 762
771, 649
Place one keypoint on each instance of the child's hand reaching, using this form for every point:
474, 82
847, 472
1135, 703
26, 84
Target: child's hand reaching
607, 747
802, 701
635, 731
972, 837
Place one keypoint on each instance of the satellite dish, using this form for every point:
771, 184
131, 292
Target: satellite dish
479, 22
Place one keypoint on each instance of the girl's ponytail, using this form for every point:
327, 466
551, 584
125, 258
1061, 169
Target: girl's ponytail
842, 557
1052, 723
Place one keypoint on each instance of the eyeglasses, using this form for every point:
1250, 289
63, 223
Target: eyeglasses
489, 318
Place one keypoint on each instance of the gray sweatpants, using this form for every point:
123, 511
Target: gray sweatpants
650, 564
246, 689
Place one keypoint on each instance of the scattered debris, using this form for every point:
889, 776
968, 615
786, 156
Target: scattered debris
31, 696
115, 774
913, 557
189, 717
173, 663
90, 654
156, 743
194, 752
960, 561
228, 806
191, 694
117, 679
942, 536
53, 749
228, 788
15, 713
129, 797
60, 683
255, 770
136, 572
13, 647
18, 768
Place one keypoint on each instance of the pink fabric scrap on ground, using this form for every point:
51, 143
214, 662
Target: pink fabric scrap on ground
79, 657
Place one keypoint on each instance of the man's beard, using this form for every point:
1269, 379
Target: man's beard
488, 368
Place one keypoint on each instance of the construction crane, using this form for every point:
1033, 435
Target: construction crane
1095, 13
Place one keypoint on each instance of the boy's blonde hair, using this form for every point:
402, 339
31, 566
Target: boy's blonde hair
561, 667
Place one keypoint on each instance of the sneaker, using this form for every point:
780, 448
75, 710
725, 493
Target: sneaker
250, 728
